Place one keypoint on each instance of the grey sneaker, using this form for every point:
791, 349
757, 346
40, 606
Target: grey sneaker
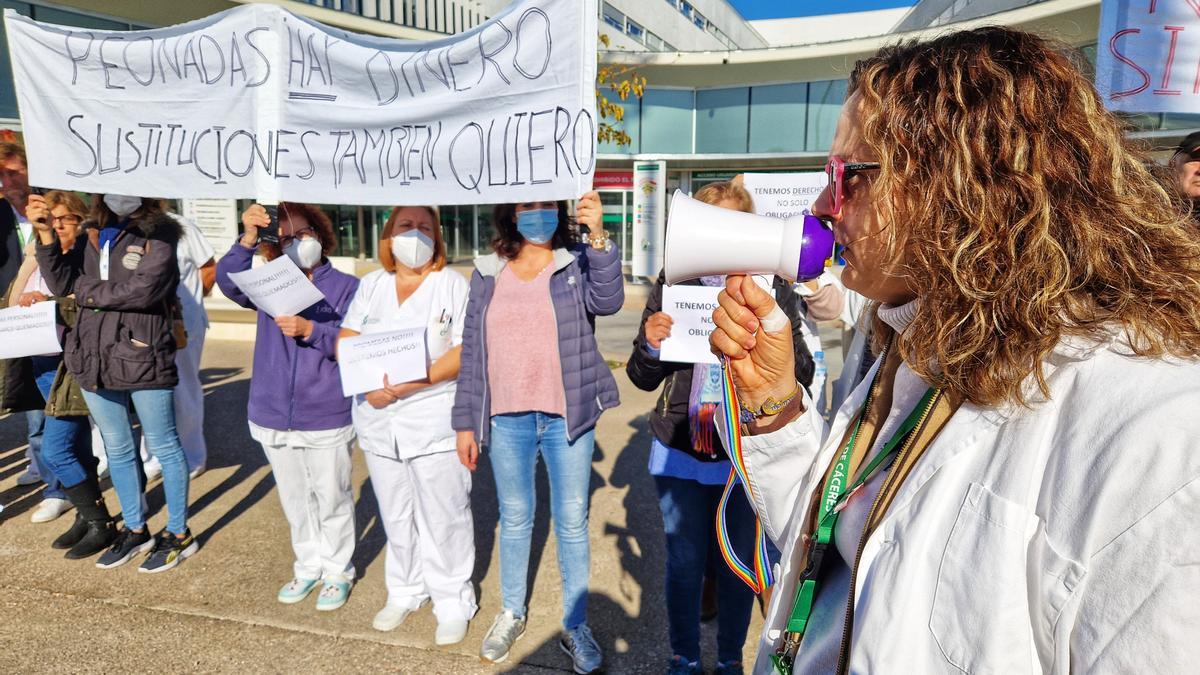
579, 644
505, 631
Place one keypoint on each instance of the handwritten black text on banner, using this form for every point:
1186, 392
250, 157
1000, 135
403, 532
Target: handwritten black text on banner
258, 102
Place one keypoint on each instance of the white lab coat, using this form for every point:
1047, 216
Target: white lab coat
1058, 538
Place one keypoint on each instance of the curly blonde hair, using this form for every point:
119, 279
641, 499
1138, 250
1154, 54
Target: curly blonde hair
1030, 217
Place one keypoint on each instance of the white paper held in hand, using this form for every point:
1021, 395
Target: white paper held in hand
691, 309
363, 360
28, 331
278, 288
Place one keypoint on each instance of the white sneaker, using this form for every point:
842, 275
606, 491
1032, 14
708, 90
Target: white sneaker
153, 469
451, 632
197, 471
30, 477
50, 509
391, 616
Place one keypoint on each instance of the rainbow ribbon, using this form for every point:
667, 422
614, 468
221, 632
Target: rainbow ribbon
758, 577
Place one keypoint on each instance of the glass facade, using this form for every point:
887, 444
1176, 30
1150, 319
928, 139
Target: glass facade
824, 106
780, 115
798, 117
666, 120
722, 120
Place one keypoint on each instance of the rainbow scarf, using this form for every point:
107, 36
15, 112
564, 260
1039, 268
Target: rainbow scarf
758, 577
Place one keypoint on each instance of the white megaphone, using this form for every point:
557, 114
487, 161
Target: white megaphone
704, 240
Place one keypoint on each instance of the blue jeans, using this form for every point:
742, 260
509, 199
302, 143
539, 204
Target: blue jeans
689, 511
66, 441
516, 440
156, 410
35, 425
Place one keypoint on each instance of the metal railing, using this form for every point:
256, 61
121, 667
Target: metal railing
439, 16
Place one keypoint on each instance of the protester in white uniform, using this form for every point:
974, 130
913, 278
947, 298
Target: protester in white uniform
423, 491
197, 274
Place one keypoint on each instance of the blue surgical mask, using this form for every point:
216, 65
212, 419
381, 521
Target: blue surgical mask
537, 225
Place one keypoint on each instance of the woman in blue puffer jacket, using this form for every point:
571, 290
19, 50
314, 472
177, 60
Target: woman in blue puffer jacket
532, 380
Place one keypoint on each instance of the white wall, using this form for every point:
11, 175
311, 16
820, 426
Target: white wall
828, 28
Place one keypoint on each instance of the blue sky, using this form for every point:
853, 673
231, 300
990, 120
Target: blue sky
779, 9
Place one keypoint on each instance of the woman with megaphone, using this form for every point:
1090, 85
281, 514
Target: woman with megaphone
690, 468
532, 382
1014, 486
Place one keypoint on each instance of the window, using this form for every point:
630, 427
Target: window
778, 114
722, 117
699, 20
686, 8
667, 120
824, 107
635, 31
614, 18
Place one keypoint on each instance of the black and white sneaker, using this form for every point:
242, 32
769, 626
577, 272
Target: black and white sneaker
169, 551
127, 545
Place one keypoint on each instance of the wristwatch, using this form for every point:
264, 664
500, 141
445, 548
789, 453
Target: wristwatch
769, 407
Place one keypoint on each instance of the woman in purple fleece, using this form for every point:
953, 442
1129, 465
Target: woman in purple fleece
296, 411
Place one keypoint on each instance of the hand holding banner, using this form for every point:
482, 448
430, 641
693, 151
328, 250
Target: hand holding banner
28, 331
278, 288
363, 360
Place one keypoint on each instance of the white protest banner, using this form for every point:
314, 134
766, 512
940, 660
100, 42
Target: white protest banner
783, 195
364, 360
690, 309
28, 331
278, 288
1148, 55
257, 102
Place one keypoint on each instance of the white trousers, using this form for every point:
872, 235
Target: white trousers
189, 404
314, 488
425, 506
189, 401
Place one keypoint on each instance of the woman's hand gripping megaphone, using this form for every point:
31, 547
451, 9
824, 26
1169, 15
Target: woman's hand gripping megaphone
759, 351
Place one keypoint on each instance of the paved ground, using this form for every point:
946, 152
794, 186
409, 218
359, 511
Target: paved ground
217, 612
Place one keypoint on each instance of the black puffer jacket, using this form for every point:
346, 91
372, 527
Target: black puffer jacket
122, 339
669, 420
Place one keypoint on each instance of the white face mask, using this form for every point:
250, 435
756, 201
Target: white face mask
123, 205
412, 249
306, 252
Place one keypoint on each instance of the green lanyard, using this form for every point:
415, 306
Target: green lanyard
829, 508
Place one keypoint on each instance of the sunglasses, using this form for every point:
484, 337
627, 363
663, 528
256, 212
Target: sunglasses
839, 172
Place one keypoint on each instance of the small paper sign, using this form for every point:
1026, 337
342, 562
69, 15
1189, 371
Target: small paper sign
691, 309
364, 359
28, 331
278, 288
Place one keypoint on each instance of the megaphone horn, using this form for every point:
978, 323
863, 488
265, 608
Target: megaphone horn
704, 240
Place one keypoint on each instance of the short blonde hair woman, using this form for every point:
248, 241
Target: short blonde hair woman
1014, 486
424, 492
